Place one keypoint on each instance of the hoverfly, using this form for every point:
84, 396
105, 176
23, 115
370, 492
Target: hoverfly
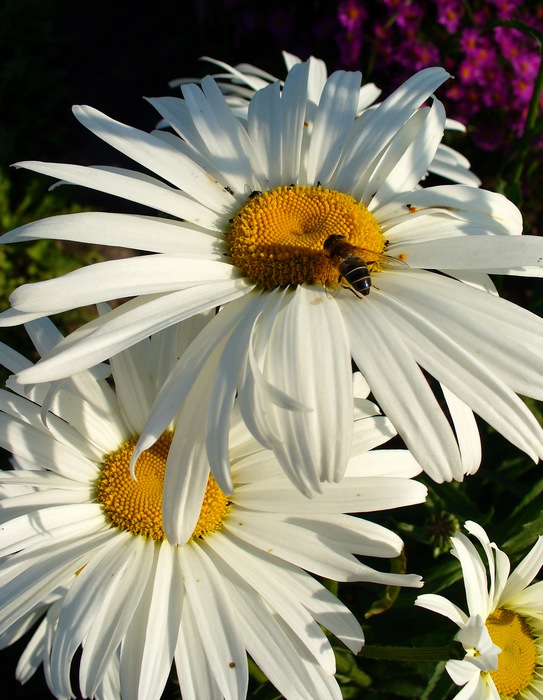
352, 262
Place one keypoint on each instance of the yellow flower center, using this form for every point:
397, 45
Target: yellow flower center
517, 661
136, 505
277, 238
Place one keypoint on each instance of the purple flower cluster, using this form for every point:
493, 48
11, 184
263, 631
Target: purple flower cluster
494, 66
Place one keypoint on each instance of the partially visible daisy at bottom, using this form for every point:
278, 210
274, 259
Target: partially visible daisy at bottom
84, 543
502, 634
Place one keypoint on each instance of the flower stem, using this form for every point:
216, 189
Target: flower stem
392, 653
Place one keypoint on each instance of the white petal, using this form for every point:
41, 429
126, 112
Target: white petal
502, 255
407, 157
195, 674
117, 608
157, 157
126, 325
467, 432
201, 356
525, 572
460, 363
150, 641
316, 374
293, 110
30, 443
376, 131
396, 463
131, 186
82, 604
122, 230
474, 575
272, 647
400, 388
216, 621
349, 496
294, 544
333, 121
265, 574
265, 130
481, 207
442, 606
223, 134
115, 279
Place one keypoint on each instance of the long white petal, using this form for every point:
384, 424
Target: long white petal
492, 254
157, 157
407, 158
525, 572
119, 603
126, 325
496, 212
317, 375
82, 604
474, 574
443, 606
293, 108
216, 621
149, 192
261, 572
115, 279
150, 641
224, 136
194, 671
349, 496
401, 390
375, 132
122, 230
333, 121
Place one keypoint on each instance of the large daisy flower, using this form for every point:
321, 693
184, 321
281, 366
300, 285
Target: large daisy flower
502, 633
287, 223
83, 541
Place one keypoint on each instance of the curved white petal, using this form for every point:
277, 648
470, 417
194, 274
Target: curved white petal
150, 641
502, 255
439, 604
216, 621
373, 133
157, 157
489, 209
473, 571
407, 158
81, 605
333, 120
126, 325
117, 609
524, 573
149, 191
115, 279
401, 390
122, 230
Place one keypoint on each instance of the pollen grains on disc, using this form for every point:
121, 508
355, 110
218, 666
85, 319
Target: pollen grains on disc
135, 505
277, 237
518, 658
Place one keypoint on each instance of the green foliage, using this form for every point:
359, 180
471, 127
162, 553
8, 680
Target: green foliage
42, 259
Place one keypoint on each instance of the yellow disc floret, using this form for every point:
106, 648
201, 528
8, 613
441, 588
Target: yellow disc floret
517, 660
277, 238
135, 505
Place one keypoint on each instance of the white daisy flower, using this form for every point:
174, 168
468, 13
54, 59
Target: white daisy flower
239, 83
78, 527
249, 211
502, 633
